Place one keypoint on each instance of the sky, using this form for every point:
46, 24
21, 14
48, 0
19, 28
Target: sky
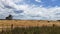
30, 9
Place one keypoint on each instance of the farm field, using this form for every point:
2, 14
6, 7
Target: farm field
27, 23
29, 27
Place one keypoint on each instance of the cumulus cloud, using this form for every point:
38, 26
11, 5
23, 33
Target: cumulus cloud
48, 13
28, 11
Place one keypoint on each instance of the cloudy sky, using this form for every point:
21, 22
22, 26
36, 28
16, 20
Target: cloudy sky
30, 9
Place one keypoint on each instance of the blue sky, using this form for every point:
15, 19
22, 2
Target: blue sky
45, 3
30, 9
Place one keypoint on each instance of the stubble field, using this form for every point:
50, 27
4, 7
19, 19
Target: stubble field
29, 27
27, 23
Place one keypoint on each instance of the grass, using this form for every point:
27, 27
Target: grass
27, 23
33, 30
36, 27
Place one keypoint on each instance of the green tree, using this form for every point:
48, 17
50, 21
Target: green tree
10, 17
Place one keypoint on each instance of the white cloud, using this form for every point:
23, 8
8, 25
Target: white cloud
30, 11
38, 0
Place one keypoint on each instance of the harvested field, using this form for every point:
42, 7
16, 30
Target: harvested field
27, 23
29, 26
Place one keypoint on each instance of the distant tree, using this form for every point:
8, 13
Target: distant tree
58, 20
9, 17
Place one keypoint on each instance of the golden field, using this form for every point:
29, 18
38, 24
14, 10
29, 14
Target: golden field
27, 23
6, 28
